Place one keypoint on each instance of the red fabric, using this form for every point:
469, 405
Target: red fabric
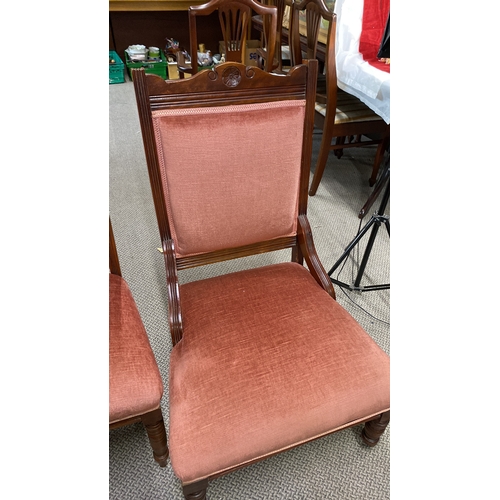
135, 383
375, 13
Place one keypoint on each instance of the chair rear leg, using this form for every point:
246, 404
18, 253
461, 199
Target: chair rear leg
340, 140
373, 429
324, 151
382, 147
155, 427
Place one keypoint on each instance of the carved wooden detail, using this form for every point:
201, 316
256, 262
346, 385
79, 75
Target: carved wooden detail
211, 82
231, 77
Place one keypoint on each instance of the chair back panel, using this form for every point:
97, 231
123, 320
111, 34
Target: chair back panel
230, 174
316, 15
228, 154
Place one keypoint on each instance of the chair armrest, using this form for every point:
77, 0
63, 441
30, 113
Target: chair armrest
308, 250
174, 299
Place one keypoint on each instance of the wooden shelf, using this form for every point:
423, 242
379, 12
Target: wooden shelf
151, 5
152, 27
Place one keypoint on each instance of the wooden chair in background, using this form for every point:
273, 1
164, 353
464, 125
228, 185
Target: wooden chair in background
262, 51
341, 116
135, 384
264, 359
235, 17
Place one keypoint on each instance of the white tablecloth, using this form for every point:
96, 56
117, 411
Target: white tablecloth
371, 85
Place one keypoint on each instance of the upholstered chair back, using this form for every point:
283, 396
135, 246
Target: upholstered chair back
223, 188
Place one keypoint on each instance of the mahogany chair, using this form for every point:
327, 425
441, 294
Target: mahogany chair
234, 18
277, 64
341, 116
263, 359
135, 384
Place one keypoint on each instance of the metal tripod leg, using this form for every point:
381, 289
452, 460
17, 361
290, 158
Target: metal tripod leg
375, 221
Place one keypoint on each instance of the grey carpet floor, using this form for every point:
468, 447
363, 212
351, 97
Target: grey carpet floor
335, 467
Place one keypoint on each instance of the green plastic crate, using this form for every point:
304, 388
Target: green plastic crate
154, 67
117, 69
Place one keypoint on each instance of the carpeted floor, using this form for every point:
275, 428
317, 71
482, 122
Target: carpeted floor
335, 467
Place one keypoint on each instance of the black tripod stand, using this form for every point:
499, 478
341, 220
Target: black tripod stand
375, 221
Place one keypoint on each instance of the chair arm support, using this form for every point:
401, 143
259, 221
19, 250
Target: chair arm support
308, 250
174, 299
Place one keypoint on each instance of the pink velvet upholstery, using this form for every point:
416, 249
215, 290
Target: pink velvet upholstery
247, 399
197, 146
135, 384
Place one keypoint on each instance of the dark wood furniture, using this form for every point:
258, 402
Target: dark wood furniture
263, 359
150, 22
340, 115
266, 28
257, 27
235, 21
135, 384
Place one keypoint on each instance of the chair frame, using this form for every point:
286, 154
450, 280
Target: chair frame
153, 420
235, 18
155, 92
213, 88
352, 132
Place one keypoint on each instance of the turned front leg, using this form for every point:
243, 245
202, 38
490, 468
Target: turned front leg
196, 491
155, 427
373, 429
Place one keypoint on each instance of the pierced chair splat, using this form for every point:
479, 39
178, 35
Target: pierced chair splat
234, 18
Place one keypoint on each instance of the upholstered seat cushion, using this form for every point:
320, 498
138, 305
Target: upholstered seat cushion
135, 384
349, 109
268, 360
